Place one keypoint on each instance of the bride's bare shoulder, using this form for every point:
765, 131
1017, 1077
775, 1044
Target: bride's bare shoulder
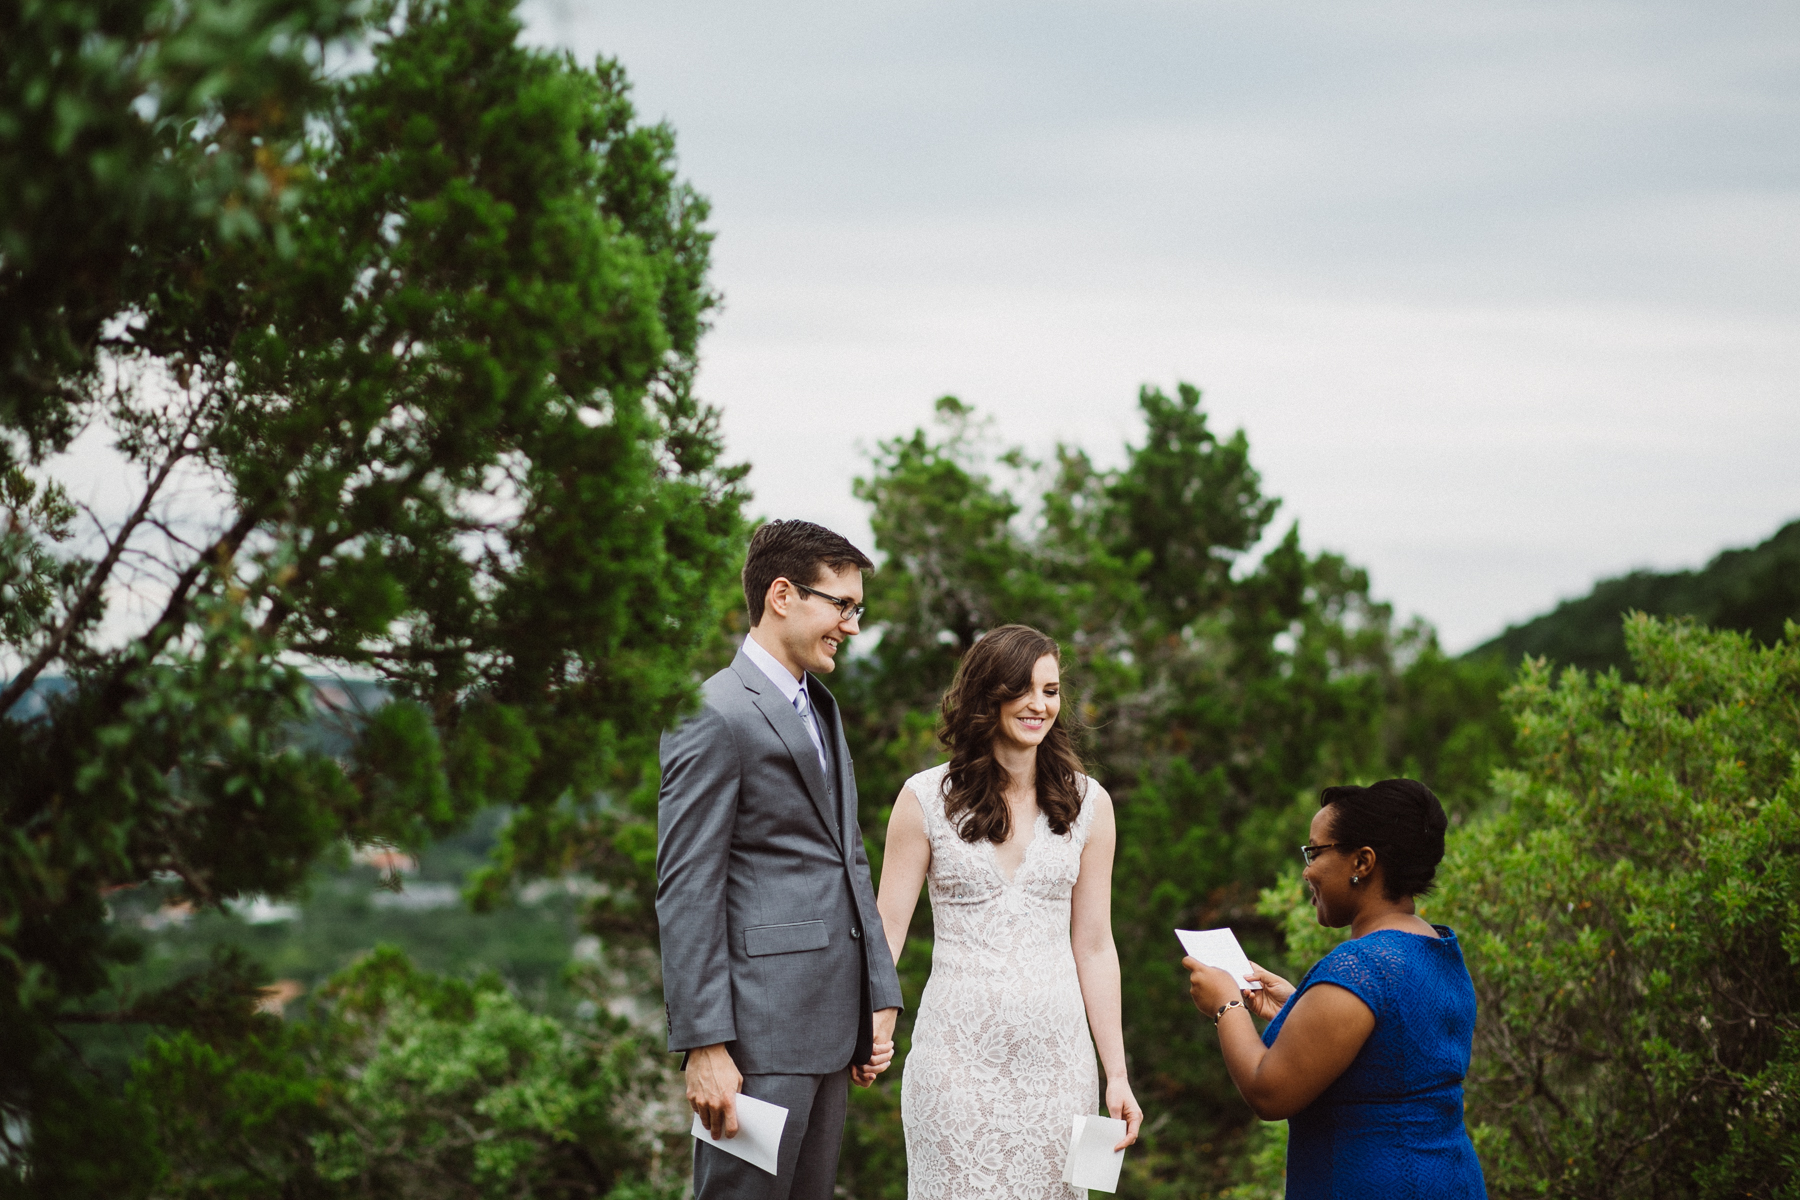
907, 810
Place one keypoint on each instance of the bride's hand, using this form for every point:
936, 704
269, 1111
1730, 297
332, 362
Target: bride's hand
1274, 994
1124, 1107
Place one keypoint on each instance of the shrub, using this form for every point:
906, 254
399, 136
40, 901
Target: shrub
1631, 916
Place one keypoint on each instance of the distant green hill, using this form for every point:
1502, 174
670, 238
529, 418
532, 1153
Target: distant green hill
1754, 590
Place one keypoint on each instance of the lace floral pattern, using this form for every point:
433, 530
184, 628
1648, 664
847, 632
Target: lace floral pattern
1001, 1059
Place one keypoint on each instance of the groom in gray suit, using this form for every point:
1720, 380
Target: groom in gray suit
774, 962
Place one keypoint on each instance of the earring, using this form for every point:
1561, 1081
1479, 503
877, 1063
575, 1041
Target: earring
1354, 879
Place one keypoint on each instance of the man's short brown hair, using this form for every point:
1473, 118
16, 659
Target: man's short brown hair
797, 551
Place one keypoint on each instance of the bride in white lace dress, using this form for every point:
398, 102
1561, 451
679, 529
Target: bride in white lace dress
1016, 845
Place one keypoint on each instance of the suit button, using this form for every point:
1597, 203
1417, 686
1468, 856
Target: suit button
855, 932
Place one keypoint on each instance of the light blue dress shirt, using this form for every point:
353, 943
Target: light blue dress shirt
794, 690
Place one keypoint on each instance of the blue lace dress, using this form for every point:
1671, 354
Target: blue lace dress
1392, 1124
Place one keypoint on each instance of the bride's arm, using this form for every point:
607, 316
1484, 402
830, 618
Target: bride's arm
904, 861
1097, 961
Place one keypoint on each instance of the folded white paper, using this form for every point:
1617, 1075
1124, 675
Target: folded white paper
1093, 1163
1219, 948
758, 1140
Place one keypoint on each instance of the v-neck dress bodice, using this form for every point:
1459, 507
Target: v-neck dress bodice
1001, 1060
1392, 1124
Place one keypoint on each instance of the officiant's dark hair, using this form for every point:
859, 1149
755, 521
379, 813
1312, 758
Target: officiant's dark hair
1401, 820
997, 669
797, 551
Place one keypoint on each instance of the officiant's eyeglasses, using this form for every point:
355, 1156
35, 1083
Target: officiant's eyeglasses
848, 609
1311, 852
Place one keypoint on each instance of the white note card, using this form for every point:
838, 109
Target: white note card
1219, 948
1093, 1163
758, 1140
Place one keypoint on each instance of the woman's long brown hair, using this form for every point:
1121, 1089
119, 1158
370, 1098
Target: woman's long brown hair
995, 670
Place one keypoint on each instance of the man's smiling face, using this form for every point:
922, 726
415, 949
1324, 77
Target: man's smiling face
814, 630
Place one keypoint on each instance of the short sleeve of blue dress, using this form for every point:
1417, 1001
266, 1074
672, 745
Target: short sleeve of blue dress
1392, 1123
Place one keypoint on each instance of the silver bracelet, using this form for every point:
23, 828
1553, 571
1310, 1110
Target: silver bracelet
1225, 1008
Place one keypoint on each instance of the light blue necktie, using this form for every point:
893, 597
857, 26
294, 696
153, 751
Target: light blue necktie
803, 706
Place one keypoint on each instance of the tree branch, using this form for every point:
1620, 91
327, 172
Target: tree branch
221, 551
90, 592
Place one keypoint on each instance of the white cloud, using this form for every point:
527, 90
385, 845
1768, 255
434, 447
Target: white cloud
1505, 293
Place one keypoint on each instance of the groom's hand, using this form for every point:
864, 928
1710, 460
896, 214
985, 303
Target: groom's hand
882, 1056
713, 1082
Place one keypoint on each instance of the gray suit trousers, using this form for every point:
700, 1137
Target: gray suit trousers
809, 1143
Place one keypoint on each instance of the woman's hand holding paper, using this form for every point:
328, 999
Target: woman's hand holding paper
1211, 987
1123, 1106
1275, 991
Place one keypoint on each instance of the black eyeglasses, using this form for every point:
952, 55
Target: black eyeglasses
1311, 852
848, 610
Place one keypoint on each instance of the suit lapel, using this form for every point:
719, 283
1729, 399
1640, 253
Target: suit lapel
786, 723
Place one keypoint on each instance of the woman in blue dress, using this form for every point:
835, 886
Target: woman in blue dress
1366, 1058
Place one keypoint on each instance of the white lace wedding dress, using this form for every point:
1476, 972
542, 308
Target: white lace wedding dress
1001, 1060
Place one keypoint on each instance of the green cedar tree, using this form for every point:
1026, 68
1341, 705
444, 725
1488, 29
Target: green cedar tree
428, 421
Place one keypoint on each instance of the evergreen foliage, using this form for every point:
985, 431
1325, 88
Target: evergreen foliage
405, 1084
1630, 917
436, 396
134, 133
1755, 590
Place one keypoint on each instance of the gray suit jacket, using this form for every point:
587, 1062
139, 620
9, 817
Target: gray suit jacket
770, 938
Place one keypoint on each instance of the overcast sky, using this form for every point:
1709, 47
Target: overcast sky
1506, 295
